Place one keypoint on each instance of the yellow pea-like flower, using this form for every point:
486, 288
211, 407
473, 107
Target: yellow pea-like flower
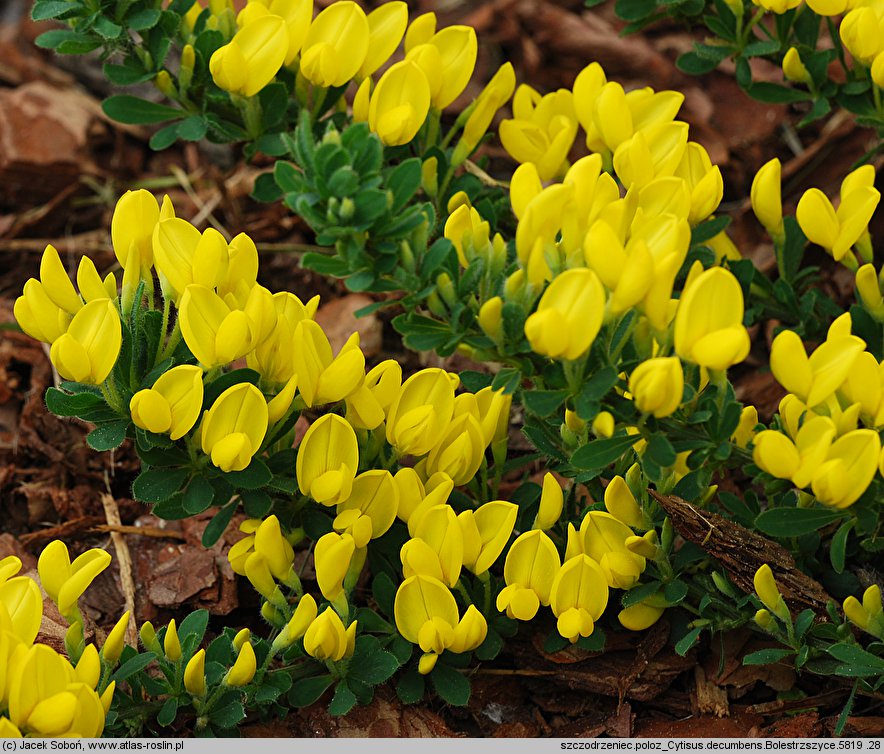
440, 529
837, 230
657, 386
848, 470
322, 377
328, 457
459, 451
273, 357
620, 503
494, 96
234, 427
867, 615
531, 566
776, 454
89, 349
603, 538
768, 592
38, 316
247, 63
709, 327
485, 533
65, 581
173, 404
331, 558
243, 670
766, 198
195, 674
386, 27
860, 31
374, 495
184, 256
420, 30
135, 217
703, 180
568, 317
650, 153
400, 103
304, 615
22, 603
171, 642
326, 638
421, 411
551, 501
113, 645
336, 46
297, 15
578, 597
793, 67
815, 378
275, 548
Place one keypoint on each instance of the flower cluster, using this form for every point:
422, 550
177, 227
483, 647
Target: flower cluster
43, 693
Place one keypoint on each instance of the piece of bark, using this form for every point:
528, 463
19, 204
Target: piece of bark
743, 552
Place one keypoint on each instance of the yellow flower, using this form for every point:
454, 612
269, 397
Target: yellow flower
65, 581
243, 670
486, 532
171, 643
421, 411
768, 593
400, 103
447, 59
374, 498
234, 427
551, 501
336, 46
868, 616
89, 349
331, 559
440, 529
459, 451
327, 639
135, 216
173, 404
214, 333
195, 674
837, 230
494, 96
848, 470
252, 58
709, 327
305, 613
621, 504
578, 597
652, 152
766, 198
603, 538
328, 457
793, 67
568, 317
426, 614
813, 379
297, 15
657, 386
531, 566
22, 604
386, 27
184, 256
322, 377
703, 180
273, 357
113, 645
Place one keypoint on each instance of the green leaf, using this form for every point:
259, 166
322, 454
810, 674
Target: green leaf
167, 713
371, 665
228, 716
597, 386
252, 477
683, 645
198, 496
544, 402
46, 9
639, 593
838, 548
108, 436
855, 655
764, 91
695, 64
507, 379
256, 503
793, 522
216, 527
193, 128
343, 701
194, 624
767, 656
411, 686
157, 485
451, 685
708, 229
404, 181
125, 75
660, 451
61, 403
144, 19
634, 10
306, 691
600, 453
133, 666
793, 248
133, 110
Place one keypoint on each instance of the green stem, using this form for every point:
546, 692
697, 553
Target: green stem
163, 330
